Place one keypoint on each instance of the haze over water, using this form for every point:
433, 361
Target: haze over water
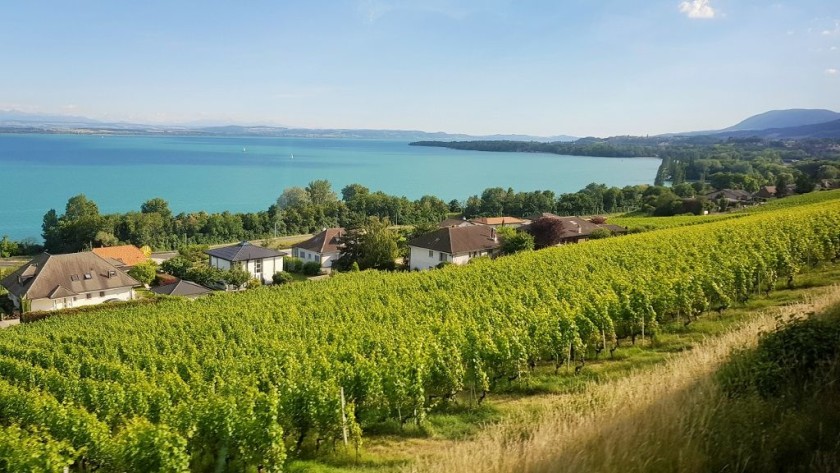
246, 174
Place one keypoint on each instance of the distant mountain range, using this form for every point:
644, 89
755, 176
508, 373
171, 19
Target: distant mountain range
16, 121
795, 117
796, 123
775, 124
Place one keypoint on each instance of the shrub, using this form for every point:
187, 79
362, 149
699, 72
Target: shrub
252, 283
312, 268
292, 264
144, 272
282, 278
599, 233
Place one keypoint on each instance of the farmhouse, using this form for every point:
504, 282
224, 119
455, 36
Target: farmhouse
51, 282
323, 248
261, 263
456, 245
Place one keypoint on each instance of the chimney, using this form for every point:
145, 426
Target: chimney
493, 234
578, 228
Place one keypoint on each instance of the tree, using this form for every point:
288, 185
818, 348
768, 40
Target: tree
546, 231
782, 182
293, 197
455, 206
8, 247
104, 238
514, 241
144, 272
351, 191
372, 246
320, 192
158, 206
804, 184
177, 266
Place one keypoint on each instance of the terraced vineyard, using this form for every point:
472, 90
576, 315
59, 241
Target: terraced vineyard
240, 381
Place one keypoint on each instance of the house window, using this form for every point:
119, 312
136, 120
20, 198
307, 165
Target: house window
258, 266
442, 256
89, 295
101, 293
431, 254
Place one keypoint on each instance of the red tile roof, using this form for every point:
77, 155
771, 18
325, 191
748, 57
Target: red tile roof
125, 255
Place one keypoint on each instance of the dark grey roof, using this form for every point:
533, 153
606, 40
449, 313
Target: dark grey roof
456, 240
181, 288
324, 242
57, 276
244, 251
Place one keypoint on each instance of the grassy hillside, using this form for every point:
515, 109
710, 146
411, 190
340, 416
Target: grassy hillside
772, 406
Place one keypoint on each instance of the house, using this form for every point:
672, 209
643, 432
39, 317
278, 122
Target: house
731, 196
455, 222
123, 256
261, 263
828, 184
499, 221
182, 288
51, 282
766, 192
456, 245
576, 229
323, 248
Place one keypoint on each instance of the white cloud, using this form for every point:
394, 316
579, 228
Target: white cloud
832, 71
834, 31
698, 9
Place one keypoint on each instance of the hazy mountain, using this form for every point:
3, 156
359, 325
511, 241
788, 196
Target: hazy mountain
819, 130
13, 120
795, 117
408, 135
774, 119
8, 117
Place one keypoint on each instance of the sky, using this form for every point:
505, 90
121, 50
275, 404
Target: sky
575, 67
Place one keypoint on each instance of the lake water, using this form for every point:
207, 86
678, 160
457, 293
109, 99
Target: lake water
40, 172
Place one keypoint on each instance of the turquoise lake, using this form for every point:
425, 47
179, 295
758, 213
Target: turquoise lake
40, 172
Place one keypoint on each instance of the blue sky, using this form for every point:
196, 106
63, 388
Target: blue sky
579, 67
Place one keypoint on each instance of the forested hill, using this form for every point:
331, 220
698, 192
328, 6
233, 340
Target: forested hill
581, 147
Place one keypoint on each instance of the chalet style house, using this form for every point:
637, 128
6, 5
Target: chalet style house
52, 282
456, 245
261, 263
323, 248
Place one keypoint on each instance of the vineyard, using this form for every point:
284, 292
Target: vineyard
240, 382
656, 223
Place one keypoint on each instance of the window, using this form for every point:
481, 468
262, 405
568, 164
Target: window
431, 254
74, 277
258, 266
88, 276
101, 293
442, 256
89, 295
